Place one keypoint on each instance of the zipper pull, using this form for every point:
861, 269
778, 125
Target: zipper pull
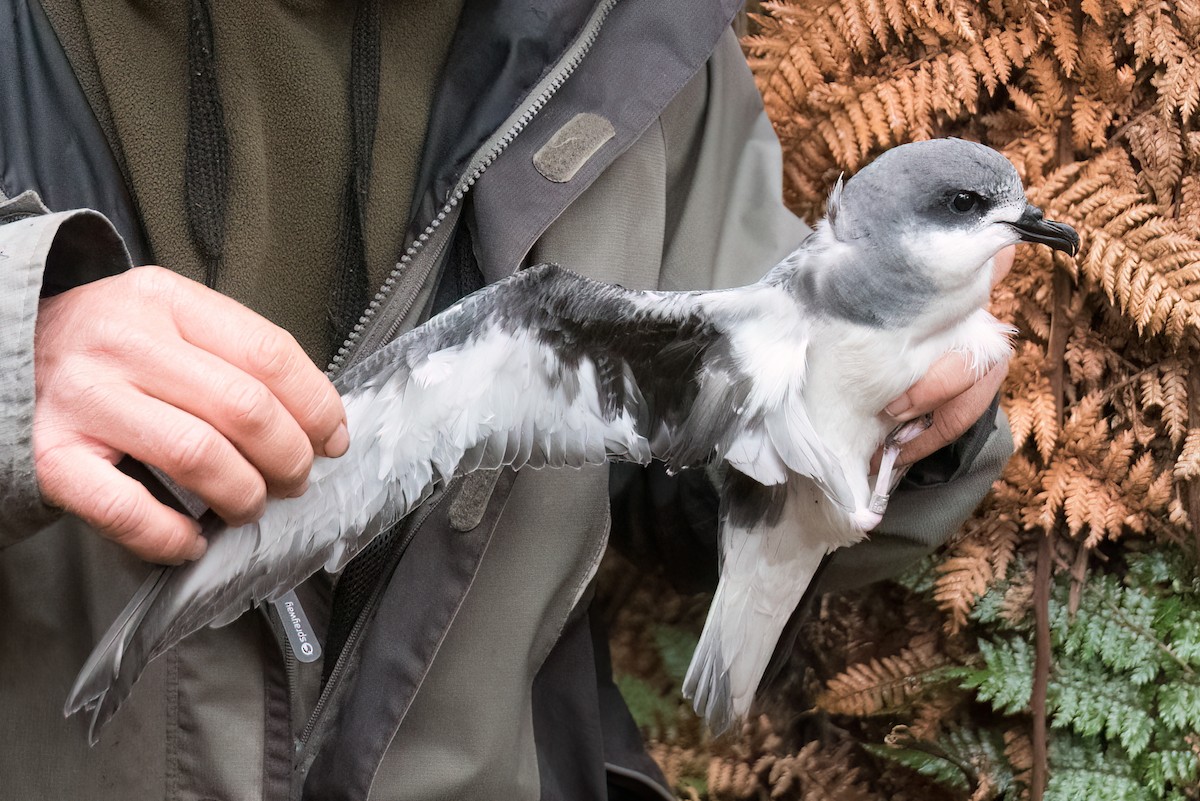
300, 635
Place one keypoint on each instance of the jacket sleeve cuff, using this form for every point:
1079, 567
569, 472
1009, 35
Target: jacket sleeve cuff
924, 514
41, 254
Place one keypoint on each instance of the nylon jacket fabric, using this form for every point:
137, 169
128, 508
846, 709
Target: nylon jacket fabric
30, 239
690, 198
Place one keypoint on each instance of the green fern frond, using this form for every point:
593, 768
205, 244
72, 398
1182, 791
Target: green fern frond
1083, 770
650, 709
1091, 702
1006, 678
1114, 625
936, 767
1170, 763
676, 646
1179, 705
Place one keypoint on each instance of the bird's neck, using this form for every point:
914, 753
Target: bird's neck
879, 286
855, 281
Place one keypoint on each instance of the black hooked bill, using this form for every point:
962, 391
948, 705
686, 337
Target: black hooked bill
1034, 227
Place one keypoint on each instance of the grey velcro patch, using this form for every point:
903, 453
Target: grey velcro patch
571, 146
471, 502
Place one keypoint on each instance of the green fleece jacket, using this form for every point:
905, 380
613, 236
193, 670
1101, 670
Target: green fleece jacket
283, 73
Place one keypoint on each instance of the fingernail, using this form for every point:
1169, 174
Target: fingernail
296, 493
899, 406
199, 546
339, 442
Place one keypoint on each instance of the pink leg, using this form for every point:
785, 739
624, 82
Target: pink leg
868, 518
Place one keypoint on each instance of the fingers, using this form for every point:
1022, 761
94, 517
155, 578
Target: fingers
269, 354
177, 376
952, 418
118, 506
947, 378
237, 405
184, 447
272, 356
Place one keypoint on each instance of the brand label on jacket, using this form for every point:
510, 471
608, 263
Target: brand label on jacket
297, 628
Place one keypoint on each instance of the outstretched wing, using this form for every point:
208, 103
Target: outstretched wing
545, 369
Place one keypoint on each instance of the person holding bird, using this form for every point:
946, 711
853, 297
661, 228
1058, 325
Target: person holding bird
317, 179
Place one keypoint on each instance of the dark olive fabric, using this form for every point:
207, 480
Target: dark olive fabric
283, 69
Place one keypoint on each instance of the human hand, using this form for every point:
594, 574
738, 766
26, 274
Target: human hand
951, 392
150, 364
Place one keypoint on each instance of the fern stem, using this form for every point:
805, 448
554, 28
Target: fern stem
1041, 668
1079, 574
1061, 323
1193, 486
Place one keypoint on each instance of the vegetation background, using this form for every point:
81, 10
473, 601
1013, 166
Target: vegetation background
1052, 650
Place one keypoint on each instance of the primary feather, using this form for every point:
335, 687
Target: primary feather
783, 379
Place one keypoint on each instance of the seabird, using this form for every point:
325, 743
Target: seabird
783, 380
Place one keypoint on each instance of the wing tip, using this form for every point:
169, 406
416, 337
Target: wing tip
708, 687
102, 684
94, 704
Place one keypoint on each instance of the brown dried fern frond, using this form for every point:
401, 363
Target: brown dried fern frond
819, 773
1147, 264
976, 561
1032, 414
1187, 466
887, 685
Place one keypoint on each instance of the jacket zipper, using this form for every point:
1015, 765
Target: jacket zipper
383, 317
356, 630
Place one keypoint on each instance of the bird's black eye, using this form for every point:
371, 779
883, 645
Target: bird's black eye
965, 201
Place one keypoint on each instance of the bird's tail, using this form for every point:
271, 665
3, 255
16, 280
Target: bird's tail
744, 626
771, 553
101, 685
708, 683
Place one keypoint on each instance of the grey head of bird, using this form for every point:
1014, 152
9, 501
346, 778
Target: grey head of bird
932, 215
